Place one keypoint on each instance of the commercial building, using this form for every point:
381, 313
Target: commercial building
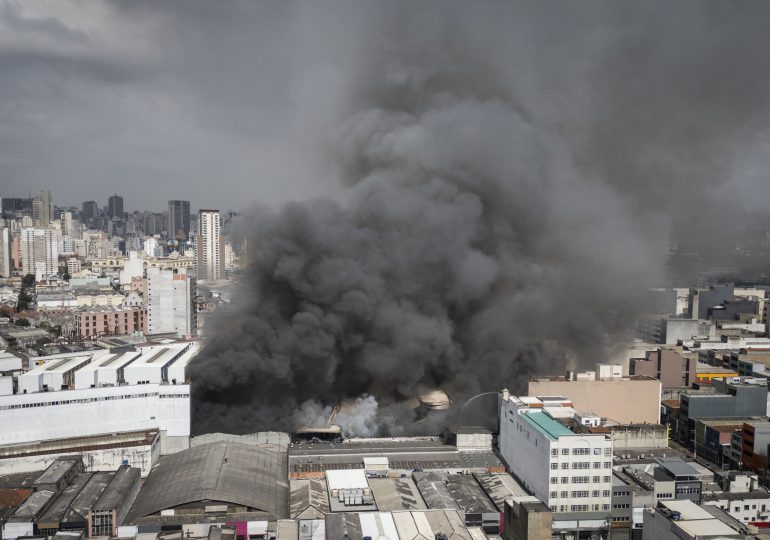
210, 248
112, 507
752, 508
171, 302
125, 392
115, 207
110, 320
42, 209
685, 520
179, 220
526, 518
607, 398
733, 400
755, 439
672, 368
230, 477
89, 211
570, 472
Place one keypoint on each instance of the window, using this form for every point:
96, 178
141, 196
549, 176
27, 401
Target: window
595, 493
554, 494
565, 451
606, 493
565, 479
564, 494
597, 465
554, 480
554, 466
581, 451
565, 465
607, 464
554, 452
607, 478
607, 451
580, 494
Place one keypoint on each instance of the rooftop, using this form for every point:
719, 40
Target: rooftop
117, 489
56, 470
546, 425
229, 472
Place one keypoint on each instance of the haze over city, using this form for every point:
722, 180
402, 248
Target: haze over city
267, 267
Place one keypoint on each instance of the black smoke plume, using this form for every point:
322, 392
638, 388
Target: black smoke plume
515, 175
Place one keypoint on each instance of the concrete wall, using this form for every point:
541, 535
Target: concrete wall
108, 459
639, 438
609, 399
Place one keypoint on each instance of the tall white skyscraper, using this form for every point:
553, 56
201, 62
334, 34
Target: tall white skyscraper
170, 302
210, 248
39, 252
5, 252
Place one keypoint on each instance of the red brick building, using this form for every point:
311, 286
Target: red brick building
110, 320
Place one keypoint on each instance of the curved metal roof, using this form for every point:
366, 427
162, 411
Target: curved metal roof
227, 472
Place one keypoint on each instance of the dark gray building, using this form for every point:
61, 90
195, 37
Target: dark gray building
178, 220
702, 300
731, 401
89, 211
115, 207
111, 508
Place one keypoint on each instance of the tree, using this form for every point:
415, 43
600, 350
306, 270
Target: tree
28, 280
24, 300
22, 322
66, 276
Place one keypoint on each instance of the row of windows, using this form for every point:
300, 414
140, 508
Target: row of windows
580, 452
579, 479
576, 494
89, 400
579, 508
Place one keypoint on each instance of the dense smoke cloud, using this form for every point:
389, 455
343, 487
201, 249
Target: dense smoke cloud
515, 175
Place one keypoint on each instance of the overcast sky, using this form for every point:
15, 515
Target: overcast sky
229, 103
158, 101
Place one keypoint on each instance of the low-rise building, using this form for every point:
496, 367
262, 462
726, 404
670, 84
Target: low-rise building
110, 320
752, 508
685, 520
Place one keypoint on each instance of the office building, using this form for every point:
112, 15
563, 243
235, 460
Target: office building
671, 368
210, 248
89, 211
732, 400
115, 207
179, 220
42, 209
570, 472
171, 302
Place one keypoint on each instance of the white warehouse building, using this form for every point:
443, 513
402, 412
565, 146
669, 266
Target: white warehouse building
90, 399
570, 472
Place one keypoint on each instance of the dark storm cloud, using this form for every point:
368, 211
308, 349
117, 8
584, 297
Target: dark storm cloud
515, 176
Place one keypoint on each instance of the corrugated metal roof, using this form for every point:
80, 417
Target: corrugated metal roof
229, 472
308, 498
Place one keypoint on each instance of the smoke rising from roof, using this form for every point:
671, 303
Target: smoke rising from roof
515, 175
